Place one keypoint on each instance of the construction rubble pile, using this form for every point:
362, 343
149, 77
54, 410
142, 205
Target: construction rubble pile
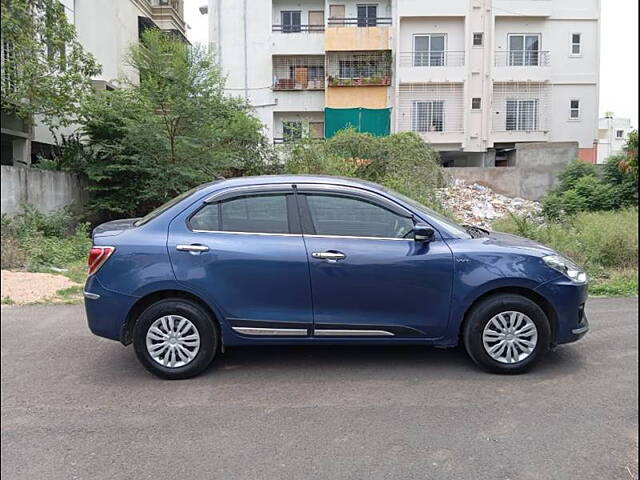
475, 204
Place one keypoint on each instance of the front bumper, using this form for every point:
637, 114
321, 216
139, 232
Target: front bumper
568, 302
106, 310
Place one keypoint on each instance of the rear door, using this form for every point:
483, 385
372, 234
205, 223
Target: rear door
369, 278
243, 251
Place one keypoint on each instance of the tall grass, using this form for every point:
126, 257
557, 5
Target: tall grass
604, 243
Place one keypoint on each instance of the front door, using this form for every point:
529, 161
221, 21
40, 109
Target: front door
369, 278
244, 253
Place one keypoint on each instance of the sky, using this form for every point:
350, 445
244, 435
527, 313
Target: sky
618, 53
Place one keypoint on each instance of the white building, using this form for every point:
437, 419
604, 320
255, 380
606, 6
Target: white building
612, 136
473, 77
106, 29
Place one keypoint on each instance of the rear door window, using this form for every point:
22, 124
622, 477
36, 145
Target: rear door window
245, 214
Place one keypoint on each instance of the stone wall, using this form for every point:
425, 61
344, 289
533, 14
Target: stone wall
46, 190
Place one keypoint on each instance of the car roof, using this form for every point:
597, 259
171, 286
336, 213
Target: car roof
271, 179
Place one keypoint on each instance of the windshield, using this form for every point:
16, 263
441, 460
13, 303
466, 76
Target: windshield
165, 206
452, 226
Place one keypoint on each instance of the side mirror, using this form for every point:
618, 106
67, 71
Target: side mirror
423, 233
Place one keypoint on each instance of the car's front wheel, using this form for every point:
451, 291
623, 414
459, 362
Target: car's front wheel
175, 338
506, 334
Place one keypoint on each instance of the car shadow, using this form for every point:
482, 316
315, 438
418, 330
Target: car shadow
118, 364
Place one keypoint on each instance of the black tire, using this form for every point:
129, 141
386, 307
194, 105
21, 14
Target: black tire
205, 325
480, 315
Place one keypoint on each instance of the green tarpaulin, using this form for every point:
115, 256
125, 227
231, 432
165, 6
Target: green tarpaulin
376, 121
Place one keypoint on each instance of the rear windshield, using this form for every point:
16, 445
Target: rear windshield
166, 206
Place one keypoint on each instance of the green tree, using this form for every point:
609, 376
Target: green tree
45, 70
630, 163
173, 130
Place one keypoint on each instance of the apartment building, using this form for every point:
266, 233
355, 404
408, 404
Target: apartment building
106, 29
613, 133
474, 78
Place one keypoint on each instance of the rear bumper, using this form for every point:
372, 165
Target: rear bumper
568, 301
106, 310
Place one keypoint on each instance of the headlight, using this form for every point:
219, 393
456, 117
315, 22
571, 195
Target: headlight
566, 267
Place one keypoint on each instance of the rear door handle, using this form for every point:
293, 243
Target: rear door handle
330, 255
192, 248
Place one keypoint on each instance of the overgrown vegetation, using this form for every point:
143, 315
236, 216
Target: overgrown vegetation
45, 70
604, 243
588, 188
175, 129
400, 161
52, 243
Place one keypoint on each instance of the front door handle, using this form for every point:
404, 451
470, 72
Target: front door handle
192, 248
332, 256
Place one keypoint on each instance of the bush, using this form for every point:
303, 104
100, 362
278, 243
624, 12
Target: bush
37, 241
401, 161
583, 187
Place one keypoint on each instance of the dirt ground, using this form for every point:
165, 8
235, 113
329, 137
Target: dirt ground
27, 287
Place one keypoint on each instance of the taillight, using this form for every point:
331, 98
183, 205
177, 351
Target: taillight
97, 257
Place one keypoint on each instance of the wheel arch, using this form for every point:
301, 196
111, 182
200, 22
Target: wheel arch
532, 295
126, 332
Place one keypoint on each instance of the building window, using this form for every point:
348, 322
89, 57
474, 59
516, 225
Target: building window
367, 15
524, 50
476, 103
574, 109
619, 133
478, 38
291, 21
429, 50
428, 116
522, 115
291, 130
576, 44
316, 129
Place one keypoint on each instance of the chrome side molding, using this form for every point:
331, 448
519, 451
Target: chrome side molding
260, 331
351, 333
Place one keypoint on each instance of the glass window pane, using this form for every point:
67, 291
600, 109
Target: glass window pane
512, 108
575, 49
259, 213
575, 103
346, 216
516, 42
575, 38
206, 218
437, 43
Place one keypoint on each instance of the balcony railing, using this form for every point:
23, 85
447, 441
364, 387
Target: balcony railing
295, 84
298, 28
298, 72
359, 21
522, 58
432, 59
349, 69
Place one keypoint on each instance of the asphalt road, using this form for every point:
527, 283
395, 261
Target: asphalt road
77, 406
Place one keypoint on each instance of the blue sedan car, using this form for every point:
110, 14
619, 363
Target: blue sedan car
292, 260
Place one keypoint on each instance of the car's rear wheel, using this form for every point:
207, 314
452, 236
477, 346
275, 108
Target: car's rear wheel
175, 338
506, 334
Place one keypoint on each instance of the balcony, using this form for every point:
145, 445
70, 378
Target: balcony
433, 111
168, 15
359, 69
522, 66
298, 73
521, 112
446, 66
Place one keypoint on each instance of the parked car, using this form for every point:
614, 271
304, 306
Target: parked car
301, 260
